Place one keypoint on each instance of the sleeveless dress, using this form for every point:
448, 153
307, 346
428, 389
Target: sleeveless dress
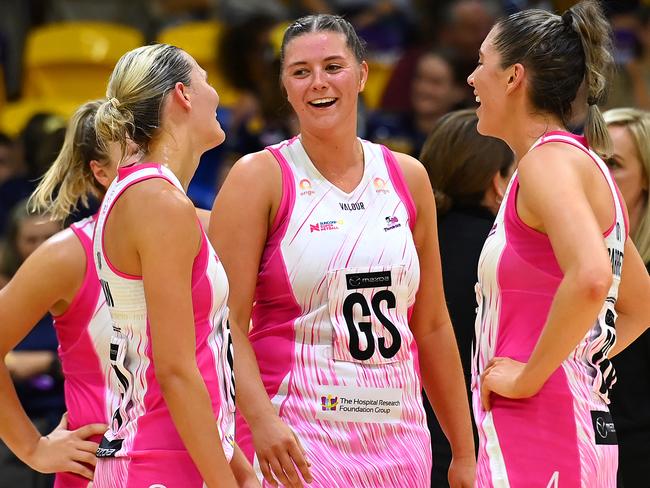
336, 286
142, 447
562, 437
84, 333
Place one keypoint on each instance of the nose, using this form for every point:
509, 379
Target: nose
319, 79
470, 79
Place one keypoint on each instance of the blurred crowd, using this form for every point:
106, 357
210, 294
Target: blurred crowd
420, 54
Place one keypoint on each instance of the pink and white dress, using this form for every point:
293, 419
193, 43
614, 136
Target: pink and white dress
84, 333
336, 286
142, 447
564, 435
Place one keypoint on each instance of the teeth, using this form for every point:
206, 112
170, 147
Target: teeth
478, 99
322, 101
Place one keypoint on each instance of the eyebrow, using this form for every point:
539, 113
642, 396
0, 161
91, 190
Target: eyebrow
328, 58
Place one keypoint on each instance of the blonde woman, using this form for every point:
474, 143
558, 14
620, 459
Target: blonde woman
629, 129
59, 277
165, 287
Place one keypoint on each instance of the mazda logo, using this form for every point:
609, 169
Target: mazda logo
601, 427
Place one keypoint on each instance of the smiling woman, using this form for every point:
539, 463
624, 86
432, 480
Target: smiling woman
556, 299
338, 266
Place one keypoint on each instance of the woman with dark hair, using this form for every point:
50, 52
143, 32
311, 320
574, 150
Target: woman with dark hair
469, 174
558, 266
333, 252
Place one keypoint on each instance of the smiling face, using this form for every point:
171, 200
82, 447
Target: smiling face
489, 82
322, 79
433, 92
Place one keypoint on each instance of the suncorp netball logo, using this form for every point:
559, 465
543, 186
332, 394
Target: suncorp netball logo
380, 185
305, 187
325, 225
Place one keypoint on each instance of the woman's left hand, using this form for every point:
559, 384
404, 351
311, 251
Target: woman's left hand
503, 376
462, 472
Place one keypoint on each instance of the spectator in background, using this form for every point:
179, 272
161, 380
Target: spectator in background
433, 92
631, 86
469, 174
38, 145
463, 26
261, 116
630, 407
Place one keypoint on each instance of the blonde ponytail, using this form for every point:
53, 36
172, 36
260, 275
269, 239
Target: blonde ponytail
70, 179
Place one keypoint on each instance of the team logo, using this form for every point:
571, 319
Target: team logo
392, 222
380, 185
305, 187
329, 403
325, 225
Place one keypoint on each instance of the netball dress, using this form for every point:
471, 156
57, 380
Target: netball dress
84, 332
563, 436
142, 447
336, 286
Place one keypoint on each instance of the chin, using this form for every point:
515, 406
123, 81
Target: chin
482, 129
217, 138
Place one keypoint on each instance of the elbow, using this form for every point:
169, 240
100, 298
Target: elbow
594, 282
170, 375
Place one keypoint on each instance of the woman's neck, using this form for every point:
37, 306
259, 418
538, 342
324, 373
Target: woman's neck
528, 130
333, 154
178, 157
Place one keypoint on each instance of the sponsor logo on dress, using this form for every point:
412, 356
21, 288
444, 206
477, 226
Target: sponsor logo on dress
359, 404
604, 430
392, 222
376, 279
350, 207
380, 185
325, 225
305, 188
329, 403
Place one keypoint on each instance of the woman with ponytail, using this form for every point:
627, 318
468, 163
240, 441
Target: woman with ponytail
558, 267
59, 277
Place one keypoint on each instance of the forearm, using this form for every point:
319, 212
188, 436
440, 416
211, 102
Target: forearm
241, 468
16, 429
252, 400
190, 407
572, 314
442, 377
627, 331
25, 364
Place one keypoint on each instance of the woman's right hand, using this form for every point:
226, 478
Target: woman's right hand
66, 450
279, 452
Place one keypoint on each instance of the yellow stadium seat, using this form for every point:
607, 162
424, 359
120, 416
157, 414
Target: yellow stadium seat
378, 75
15, 115
200, 40
74, 60
277, 34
